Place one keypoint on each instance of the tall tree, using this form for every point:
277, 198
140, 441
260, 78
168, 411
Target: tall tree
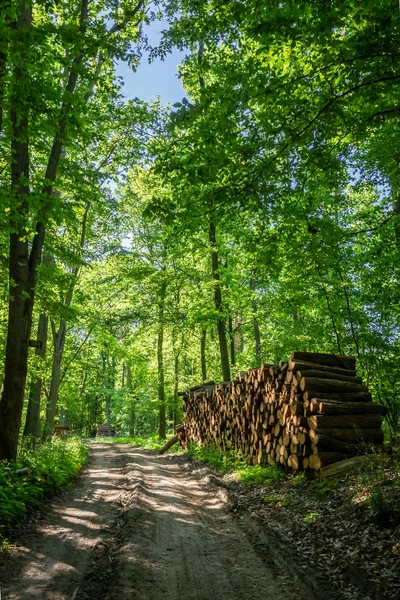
91, 50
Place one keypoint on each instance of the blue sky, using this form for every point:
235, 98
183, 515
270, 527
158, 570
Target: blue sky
159, 78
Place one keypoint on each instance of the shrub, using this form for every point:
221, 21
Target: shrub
53, 465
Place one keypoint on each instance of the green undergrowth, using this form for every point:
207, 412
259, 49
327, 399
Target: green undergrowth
52, 468
152, 442
236, 465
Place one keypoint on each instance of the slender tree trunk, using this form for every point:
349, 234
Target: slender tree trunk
59, 337
160, 362
232, 341
131, 403
256, 328
176, 389
203, 354
84, 411
58, 349
83, 386
132, 418
177, 345
223, 346
112, 376
348, 305
32, 421
106, 385
330, 312
108, 414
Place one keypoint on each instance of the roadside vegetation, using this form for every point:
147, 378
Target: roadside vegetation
152, 442
376, 488
346, 528
37, 475
235, 465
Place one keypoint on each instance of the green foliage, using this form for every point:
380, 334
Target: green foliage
53, 466
312, 517
276, 500
287, 142
324, 488
258, 475
230, 462
385, 504
300, 479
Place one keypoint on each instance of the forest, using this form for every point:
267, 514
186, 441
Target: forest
146, 249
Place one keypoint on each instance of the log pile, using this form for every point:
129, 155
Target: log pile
102, 431
61, 430
306, 413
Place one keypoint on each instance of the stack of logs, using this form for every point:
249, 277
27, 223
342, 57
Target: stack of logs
102, 431
308, 412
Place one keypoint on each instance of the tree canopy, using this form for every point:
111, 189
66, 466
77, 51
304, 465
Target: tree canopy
145, 249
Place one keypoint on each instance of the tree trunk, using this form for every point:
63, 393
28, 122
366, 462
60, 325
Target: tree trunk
132, 402
4, 9
203, 354
132, 418
32, 421
335, 386
357, 422
176, 389
59, 336
160, 362
22, 264
20, 275
58, 349
232, 341
256, 328
106, 386
330, 360
223, 346
330, 310
108, 414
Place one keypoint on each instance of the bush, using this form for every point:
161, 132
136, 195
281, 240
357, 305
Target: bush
53, 465
385, 507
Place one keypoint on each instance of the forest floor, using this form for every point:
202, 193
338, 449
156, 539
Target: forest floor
141, 526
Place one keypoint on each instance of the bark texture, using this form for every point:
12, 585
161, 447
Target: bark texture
32, 422
223, 346
160, 362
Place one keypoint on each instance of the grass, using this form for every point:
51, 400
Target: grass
324, 488
300, 480
230, 462
277, 500
52, 467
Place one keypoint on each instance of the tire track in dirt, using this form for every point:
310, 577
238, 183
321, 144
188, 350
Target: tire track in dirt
142, 527
180, 542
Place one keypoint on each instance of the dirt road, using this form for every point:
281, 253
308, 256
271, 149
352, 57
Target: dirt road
142, 527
